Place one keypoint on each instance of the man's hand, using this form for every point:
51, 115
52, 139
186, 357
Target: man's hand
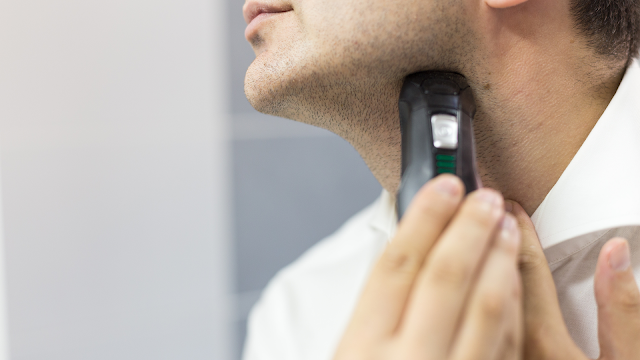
617, 295
446, 287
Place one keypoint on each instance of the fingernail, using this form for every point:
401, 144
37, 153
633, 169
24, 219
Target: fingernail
508, 206
620, 257
508, 223
448, 186
492, 199
508, 233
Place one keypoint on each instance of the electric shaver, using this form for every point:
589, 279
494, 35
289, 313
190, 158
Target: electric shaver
436, 121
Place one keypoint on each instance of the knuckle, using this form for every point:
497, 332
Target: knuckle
529, 260
479, 216
628, 301
401, 261
493, 305
449, 273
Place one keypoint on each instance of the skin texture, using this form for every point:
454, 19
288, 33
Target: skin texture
340, 64
539, 88
446, 287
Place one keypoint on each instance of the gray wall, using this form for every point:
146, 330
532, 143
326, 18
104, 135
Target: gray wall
113, 126
293, 184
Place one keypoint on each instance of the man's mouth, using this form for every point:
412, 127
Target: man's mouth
255, 13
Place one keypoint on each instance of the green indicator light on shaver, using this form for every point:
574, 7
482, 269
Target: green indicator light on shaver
446, 164
445, 157
446, 171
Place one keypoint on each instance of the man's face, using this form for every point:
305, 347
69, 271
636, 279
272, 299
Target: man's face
316, 57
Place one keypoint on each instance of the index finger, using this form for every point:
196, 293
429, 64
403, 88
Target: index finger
445, 281
543, 318
383, 299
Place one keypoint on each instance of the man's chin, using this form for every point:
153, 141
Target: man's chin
271, 91
264, 100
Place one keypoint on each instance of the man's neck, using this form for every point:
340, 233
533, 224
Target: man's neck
536, 105
533, 117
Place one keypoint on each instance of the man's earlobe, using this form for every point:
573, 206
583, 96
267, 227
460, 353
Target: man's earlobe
503, 4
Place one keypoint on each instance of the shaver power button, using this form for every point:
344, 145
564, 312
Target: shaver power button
444, 128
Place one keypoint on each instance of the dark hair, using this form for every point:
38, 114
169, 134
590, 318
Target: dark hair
612, 27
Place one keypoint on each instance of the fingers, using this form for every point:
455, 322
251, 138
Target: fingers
618, 301
512, 346
443, 285
491, 327
385, 295
544, 324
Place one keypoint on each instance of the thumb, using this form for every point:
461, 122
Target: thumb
618, 301
546, 335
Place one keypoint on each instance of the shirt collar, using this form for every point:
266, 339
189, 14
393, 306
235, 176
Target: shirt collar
600, 189
384, 217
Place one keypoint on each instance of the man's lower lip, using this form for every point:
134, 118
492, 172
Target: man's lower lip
252, 28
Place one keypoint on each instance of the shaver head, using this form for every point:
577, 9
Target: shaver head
436, 120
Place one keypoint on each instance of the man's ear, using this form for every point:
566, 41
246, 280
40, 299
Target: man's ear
503, 4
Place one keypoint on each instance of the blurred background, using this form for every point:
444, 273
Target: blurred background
145, 203
293, 184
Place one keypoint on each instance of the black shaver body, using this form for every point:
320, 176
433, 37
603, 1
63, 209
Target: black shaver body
436, 120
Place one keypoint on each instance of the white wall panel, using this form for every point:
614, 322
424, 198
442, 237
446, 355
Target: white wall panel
114, 162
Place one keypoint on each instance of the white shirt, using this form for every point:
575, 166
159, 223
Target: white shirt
306, 307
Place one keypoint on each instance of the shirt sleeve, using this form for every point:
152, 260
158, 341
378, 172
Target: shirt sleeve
270, 326
304, 310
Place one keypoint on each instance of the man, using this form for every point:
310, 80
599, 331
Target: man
557, 131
